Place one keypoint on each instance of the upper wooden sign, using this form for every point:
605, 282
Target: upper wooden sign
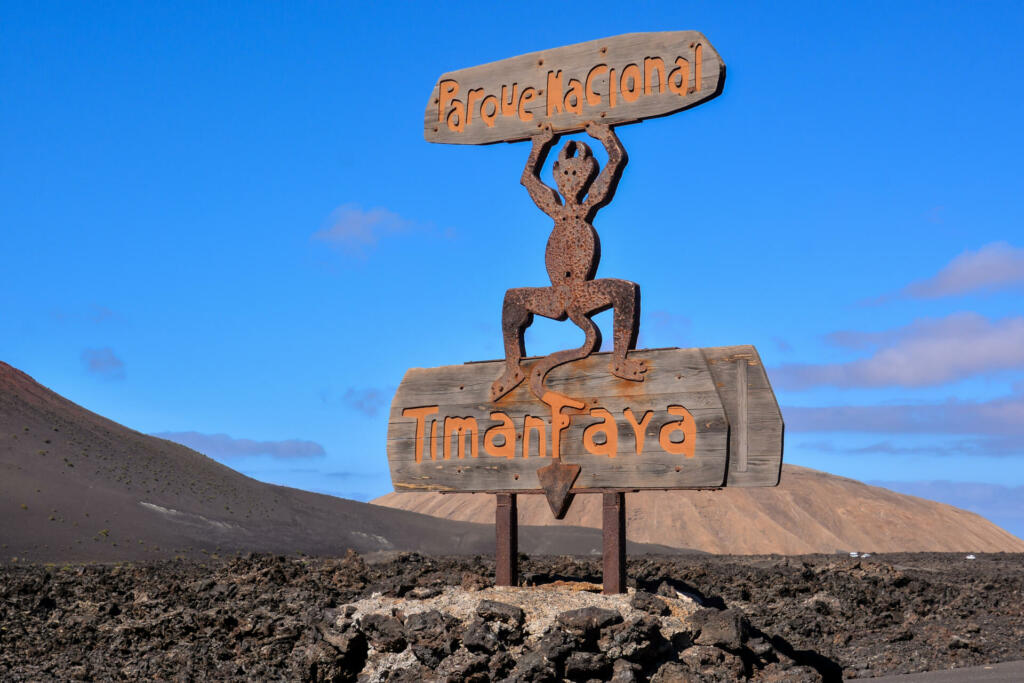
702, 418
617, 80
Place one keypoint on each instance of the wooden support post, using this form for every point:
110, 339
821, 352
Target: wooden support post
506, 557
614, 523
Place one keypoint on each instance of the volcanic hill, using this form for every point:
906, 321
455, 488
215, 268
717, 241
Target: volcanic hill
809, 512
76, 486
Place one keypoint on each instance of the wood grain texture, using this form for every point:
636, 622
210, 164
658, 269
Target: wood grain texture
617, 80
760, 461
677, 377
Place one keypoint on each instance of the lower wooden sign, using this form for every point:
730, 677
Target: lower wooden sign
701, 418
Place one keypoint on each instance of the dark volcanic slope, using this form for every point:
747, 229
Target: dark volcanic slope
76, 486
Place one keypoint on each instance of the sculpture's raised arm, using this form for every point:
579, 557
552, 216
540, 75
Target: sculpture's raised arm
546, 198
603, 189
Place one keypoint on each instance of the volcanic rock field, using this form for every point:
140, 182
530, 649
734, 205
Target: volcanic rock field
409, 617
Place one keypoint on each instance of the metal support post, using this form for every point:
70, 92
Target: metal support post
506, 557
614, 523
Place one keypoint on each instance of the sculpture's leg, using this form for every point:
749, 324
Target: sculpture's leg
516, 315
624, 298
542, 367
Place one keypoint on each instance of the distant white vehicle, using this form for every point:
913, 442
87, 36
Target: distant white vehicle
866, 555
971, 557
854, 554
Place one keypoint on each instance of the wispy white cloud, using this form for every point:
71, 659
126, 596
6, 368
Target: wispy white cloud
103, 363
366, 401
995, 266
925, 353
1001, 417
356, 230
990, 446
224, 446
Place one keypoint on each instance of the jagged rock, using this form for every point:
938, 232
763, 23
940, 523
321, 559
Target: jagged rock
674, 672
431, 636
533, 667
642, 600
625, 671
350, 648
491, 610
721, 628
777, 673
587, 622
425, 592
384, 633
636, 638
478, 638
708, 660
586, 665
501, 664
463, 665
556, 644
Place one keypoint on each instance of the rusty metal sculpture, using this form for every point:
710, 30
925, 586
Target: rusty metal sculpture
571, 258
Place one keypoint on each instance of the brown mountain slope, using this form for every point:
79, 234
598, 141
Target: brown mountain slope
76, 486
809, 512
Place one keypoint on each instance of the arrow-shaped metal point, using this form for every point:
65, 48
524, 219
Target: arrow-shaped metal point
557, 479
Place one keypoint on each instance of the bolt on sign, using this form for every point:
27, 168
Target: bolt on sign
576, 421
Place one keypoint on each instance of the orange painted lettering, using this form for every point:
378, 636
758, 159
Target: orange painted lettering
679, 79
631, 74
576, 94
535, 424
559, 420
448, 90
508, 102
461, 428
594, 98
507, 430
654, 66
529, 95
489, 102
607, 426
421, 419
554, 88
473, 97
639, 428
457, 117
686, 425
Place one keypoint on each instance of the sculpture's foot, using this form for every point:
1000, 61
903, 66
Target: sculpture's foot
512, 378
630, 369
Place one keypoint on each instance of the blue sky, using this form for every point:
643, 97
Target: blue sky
223, 222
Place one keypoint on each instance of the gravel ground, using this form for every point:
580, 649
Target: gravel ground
406, 617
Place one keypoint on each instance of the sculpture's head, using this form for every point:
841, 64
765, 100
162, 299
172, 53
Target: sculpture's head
574, 170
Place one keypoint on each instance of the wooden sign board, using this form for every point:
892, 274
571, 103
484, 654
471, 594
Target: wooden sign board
702, 418
617, 80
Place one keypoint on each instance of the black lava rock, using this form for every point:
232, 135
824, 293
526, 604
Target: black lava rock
384, 633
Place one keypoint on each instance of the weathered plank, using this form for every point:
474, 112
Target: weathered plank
755, 455
445, 434
616, 80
